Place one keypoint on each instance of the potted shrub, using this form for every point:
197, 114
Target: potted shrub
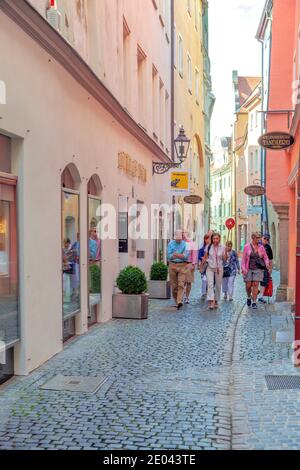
159, 286
132, 302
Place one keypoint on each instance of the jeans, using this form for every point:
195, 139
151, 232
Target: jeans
228, 285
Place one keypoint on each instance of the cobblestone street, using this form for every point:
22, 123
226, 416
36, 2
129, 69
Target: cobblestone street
180, 380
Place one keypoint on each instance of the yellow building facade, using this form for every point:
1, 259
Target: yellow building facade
189, 106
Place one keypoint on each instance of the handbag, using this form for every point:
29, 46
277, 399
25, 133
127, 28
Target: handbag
268, 292
227, 271
260, 262
204, 265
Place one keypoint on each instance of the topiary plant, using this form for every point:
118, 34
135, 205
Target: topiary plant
159, 272
95, 279
132, 280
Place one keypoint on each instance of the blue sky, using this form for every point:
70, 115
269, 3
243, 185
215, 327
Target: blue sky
233, 25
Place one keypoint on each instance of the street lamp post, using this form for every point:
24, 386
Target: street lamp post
181, 144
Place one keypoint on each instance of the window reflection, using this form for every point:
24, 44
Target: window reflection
94, 258
70, 253
9, 330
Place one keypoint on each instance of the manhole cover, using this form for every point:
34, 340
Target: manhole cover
283, 382
74, 384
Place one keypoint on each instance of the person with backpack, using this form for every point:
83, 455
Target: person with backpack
231, 268
254, 263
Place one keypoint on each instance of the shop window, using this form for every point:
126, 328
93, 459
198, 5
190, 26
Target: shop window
94, 248
9, 299
70, 243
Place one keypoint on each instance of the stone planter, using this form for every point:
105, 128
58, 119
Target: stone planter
133, 307
159, 289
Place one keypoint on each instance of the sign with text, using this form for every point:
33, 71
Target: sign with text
192, 199
132, 167
255, 190
254, 210
180, 182
276, 140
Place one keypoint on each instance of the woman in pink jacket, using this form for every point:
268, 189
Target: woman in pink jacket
254, 262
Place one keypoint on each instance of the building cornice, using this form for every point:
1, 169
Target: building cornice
38, 28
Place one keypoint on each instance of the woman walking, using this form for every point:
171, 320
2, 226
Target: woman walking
206, 243
215, 256
254, 262
231, 268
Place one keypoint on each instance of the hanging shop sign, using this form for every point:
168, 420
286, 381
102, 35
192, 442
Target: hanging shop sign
276, 140
254, 210
180, 182
255, 190
230, 223
132, 167
192, 199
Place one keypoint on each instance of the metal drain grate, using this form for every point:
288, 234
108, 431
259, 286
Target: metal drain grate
283, 382
74, 383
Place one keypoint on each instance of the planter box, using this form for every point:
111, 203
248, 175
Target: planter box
133, 307
159, 289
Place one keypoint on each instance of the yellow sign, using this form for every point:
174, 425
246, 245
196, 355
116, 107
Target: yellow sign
131, 167
180, 182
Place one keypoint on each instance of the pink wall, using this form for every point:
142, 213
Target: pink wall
278, 163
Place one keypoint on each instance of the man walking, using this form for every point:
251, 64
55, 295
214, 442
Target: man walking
177, 257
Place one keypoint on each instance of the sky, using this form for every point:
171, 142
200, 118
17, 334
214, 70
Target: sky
232, 27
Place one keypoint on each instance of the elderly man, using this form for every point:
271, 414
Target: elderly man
177, 257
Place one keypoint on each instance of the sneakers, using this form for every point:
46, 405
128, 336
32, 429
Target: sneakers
254, 306
186, 301
249, 302
179, 305
225, 296
262, 300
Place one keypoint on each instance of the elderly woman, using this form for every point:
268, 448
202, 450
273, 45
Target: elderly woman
215, 256
254, 262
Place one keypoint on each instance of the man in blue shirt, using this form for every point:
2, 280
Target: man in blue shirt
177, 257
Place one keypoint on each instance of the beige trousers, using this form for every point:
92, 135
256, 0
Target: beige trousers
177, 272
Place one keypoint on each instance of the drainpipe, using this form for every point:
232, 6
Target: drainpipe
172, 103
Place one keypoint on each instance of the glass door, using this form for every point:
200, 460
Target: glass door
95, 255
9, 308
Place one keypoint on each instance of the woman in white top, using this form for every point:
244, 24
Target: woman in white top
215, 255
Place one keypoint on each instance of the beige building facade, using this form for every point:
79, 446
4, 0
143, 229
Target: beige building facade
87, 111
189, 105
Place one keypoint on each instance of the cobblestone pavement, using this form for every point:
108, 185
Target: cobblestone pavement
191, 379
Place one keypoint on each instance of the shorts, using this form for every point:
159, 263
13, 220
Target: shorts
254, 275
190, 274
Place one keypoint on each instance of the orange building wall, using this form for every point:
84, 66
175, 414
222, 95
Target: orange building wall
281, 75
293, 159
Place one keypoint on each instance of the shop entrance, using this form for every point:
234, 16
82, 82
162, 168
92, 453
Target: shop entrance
9, 299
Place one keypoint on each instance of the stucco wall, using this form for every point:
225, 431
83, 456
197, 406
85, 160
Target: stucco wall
53, 122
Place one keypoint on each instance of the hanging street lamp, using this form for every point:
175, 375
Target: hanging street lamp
182, 144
